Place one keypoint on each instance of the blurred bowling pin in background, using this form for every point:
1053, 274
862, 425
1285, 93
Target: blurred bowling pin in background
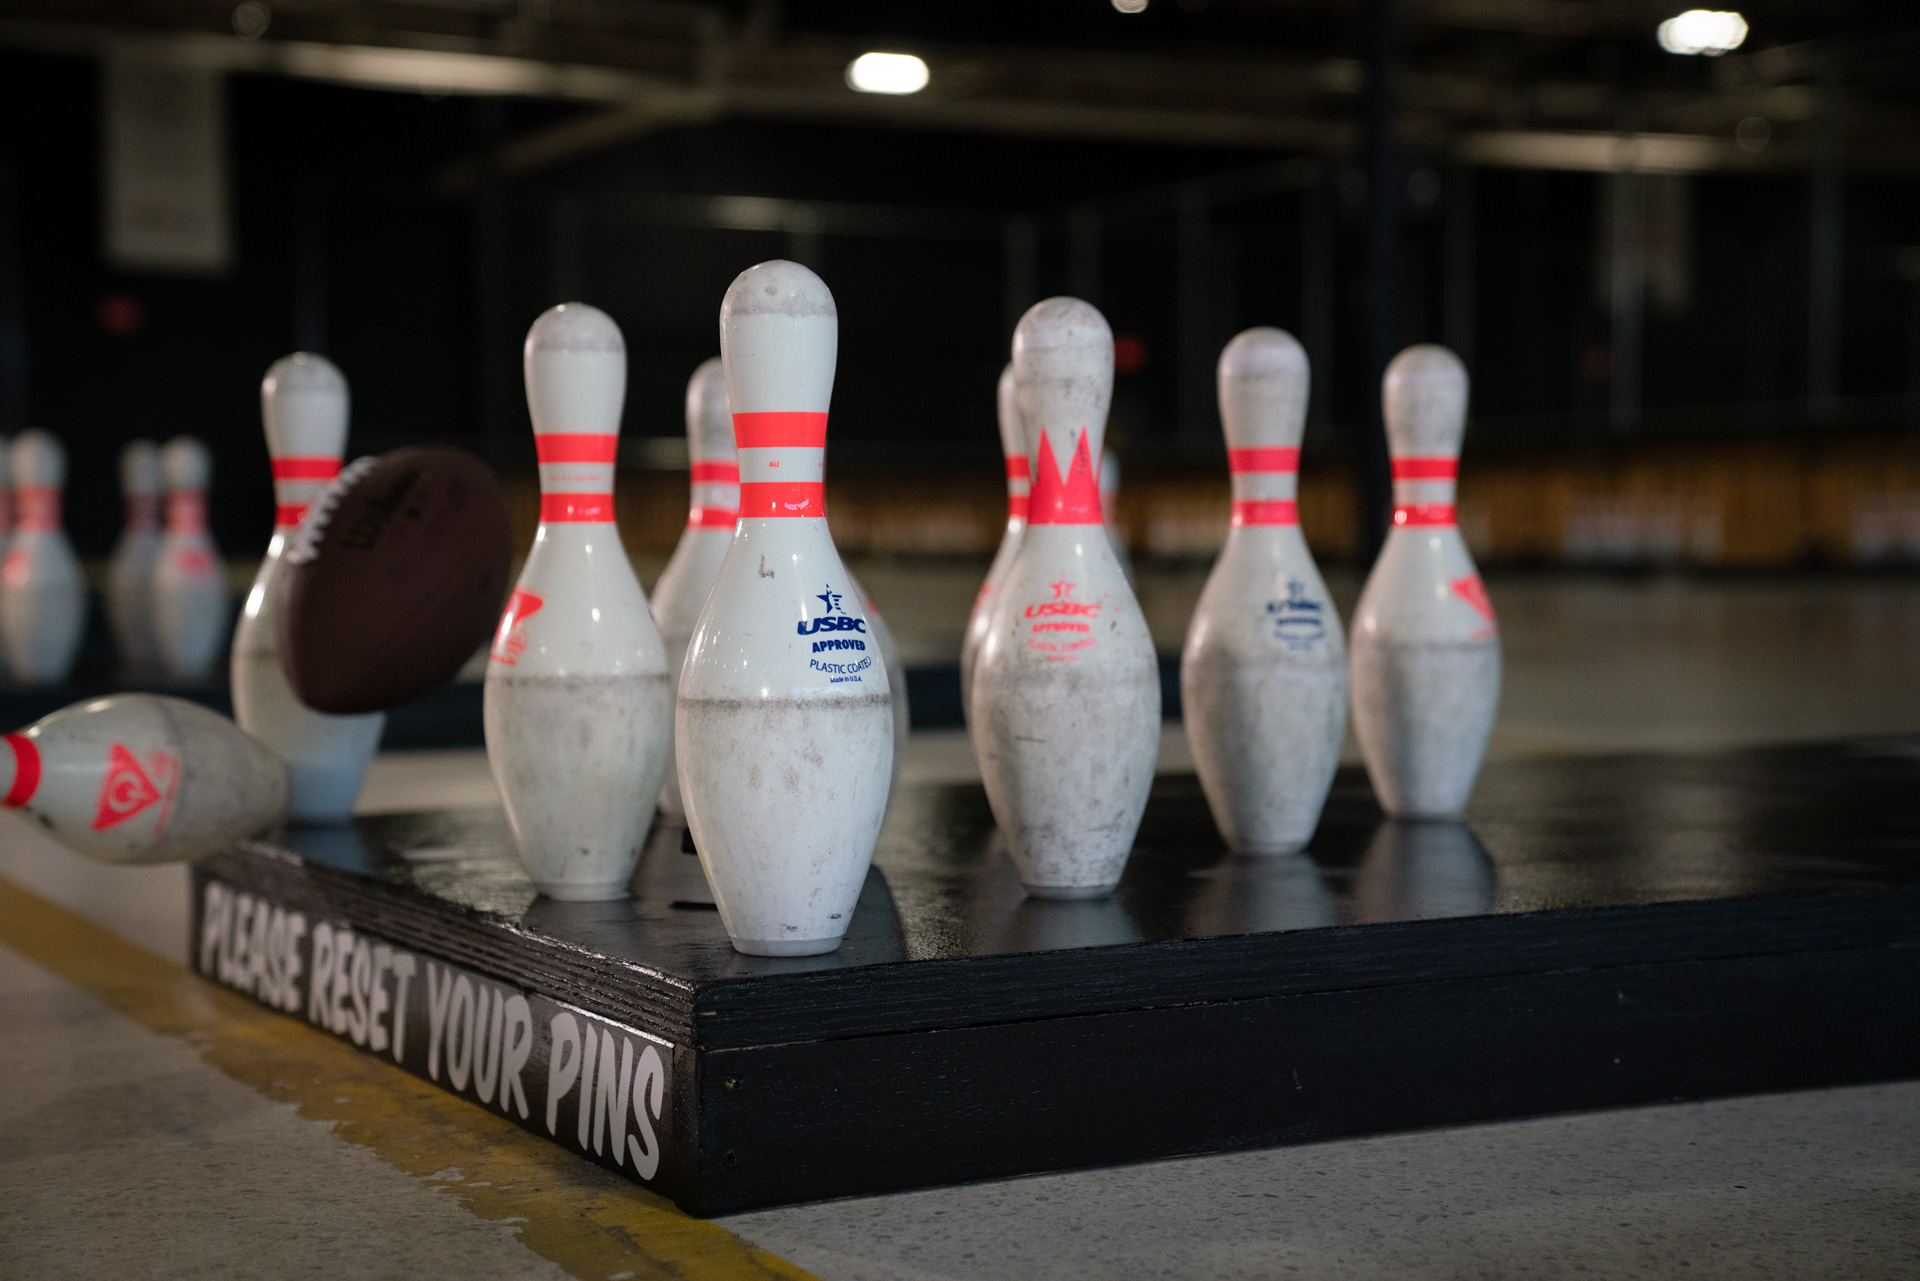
578, 703
1263, 679
1013, 444
303, 409
681, 593
1426, 650
43, 598
190, 580
1110, 509
130, 572
6, 519
141, 778
1066, 690
784, 723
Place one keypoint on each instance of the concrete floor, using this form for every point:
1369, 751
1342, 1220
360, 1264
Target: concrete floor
154, 1127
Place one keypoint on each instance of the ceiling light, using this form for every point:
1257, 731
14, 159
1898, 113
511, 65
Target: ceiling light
1130, 6
887, 73
1707, 31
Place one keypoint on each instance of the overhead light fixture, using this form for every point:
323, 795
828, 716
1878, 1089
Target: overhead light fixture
1709, 31
887, 73
1130, 6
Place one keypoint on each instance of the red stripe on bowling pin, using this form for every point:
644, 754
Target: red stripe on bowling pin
26, 772
1266, 511
306, 467
1416, 514
39, 507
712, 517
186, 512
577, 447
1242, 461
715, 473
761, 499
1429, 468
780, 429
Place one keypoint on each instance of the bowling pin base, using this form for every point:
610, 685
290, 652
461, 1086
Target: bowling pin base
1068, 893
1400, 976
786, 947
585, 893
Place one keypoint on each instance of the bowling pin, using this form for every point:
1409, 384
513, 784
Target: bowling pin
1013, 444
1110, 510
784, 723
681, 593
1066, 691
578, 703
43, 598
303, 407
1426, 649
130, 572
190, 579
141, 778
1263, 679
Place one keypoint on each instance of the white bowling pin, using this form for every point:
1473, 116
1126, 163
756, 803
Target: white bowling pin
1013, 444
681, 593
784, 723
578, 703
1426, 650
303, 408
1110, 509
190, 579
1263, 678
43, 598
130, 572
141, 778
1066, 690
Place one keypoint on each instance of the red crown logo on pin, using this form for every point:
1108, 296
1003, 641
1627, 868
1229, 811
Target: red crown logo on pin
1070, 500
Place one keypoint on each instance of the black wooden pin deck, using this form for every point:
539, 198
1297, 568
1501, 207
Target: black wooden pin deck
1603, 932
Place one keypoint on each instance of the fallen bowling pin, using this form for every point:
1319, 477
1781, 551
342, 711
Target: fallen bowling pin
577, 705
1013, 444
1426, 649
714, 509
190, 580
784, 723
141, 778
1066, 691
303, 408
130, 572
1263, 679
43, 598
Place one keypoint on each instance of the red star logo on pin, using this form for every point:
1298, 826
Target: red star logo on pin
1060, 589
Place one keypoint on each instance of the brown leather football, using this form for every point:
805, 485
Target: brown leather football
395, 577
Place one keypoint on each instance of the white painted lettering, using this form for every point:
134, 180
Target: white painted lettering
322, 974
589, 1047
610, 1096
402, 977
214, 906
439, 996
235, 970
275, 954
290, 971
649, 1088
377, 998
563, 1064
254, 978
516, 1043
460, 1033
486, 1041
342, 981
360, 987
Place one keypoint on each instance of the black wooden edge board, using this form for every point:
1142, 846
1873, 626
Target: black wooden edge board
810, 1120
482, 941
922, 995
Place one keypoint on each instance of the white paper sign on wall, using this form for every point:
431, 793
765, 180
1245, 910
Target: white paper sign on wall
164, 164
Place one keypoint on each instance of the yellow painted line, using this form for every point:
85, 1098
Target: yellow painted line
587, 1220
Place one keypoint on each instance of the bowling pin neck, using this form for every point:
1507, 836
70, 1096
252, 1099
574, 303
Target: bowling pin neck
143, 513
1266, 485
576, 476
782, 461
19, 771
1423, 490
1019, 485
297, 481
186, 513
39, 508
715, 502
